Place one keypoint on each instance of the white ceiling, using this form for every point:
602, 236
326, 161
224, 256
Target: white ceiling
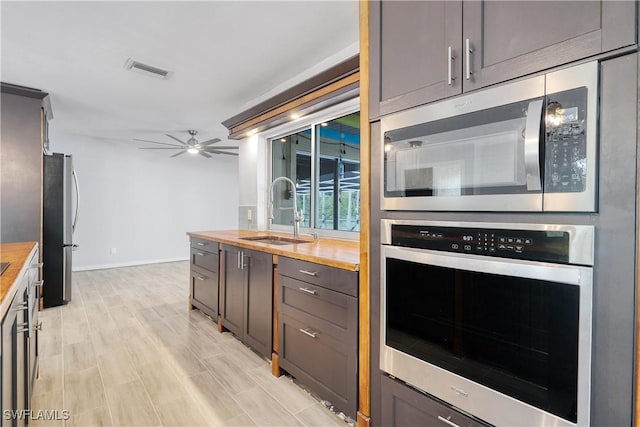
225, 56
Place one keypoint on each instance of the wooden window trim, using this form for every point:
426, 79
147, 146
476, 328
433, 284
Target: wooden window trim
335, 85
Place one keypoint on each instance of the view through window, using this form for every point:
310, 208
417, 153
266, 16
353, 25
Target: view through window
324, 162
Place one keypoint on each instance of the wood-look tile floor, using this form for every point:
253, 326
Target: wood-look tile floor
126, 351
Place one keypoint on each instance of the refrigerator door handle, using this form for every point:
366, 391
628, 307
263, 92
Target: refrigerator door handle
75, 216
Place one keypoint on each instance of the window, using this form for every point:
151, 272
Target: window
323, 160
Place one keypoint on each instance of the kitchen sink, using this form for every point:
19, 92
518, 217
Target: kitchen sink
275, 240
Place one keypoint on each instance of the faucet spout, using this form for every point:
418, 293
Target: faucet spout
297, 216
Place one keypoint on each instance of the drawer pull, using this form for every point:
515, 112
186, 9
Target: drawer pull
38, 265
200, 277
309, 291
23, 306
38, 284
447, 421
199, 254
306, 332
201, 244
309, 273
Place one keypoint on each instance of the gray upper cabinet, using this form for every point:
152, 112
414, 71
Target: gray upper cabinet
512, 39
425, 51
410, 53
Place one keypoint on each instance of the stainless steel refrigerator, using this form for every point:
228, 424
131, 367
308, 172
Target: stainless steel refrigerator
60, 215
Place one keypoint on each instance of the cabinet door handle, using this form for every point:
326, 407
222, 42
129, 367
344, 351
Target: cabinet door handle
450, 76
309, 291
37, 265
447, 421
309, 273
238, 260
307, 332
200, 254
200, 244
200, 278
468, 52
242, 260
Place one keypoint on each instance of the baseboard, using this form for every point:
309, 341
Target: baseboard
127, 264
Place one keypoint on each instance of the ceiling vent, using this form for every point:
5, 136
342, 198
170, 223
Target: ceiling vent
148, 70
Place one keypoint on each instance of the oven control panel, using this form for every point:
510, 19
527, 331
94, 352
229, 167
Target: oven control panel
534, 245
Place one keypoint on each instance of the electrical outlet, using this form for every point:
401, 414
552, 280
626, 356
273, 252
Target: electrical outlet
113, 251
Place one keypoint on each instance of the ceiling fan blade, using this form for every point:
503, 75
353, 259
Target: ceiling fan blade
156, 142
209, 142
221, 147
202, 153
177, 154
222, 152
160, 148
176, 139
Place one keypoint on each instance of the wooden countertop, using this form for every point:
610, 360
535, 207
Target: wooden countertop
343, 254
17, 254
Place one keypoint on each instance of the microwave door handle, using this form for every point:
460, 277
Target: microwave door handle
532, 145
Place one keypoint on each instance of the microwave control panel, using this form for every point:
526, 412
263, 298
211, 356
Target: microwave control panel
533, 245
566, 142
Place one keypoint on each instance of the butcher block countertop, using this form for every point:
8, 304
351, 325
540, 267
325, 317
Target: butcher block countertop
17, 254
344, 254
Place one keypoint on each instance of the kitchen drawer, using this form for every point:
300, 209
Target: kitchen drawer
204, 259
322, 275
403, 406
318, 360
331, 306
206, 245
204, 291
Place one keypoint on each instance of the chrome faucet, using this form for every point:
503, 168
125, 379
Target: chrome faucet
297, 216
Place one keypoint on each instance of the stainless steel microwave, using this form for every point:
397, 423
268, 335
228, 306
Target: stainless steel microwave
528, 145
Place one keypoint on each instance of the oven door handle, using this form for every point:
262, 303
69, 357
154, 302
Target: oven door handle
532, 145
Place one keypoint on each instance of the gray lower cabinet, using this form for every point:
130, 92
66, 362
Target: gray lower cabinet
204, 276
14, 366
20, 331
318, 329
424, 51
403, 406
246, 296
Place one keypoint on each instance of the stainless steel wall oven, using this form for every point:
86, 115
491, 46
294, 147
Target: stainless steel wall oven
529, 145
493, 318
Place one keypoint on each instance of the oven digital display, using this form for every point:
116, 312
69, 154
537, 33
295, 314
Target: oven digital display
533, 245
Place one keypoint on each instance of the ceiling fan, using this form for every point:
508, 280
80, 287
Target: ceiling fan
192, 145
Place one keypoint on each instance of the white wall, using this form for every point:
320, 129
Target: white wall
141, 202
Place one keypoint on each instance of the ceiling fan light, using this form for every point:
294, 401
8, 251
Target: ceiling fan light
192, 150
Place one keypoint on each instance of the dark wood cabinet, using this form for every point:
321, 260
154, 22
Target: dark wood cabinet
246, 295
318, 329
403, 406
204, 276
425, 51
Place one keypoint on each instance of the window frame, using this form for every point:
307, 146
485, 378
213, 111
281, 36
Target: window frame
308, 122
